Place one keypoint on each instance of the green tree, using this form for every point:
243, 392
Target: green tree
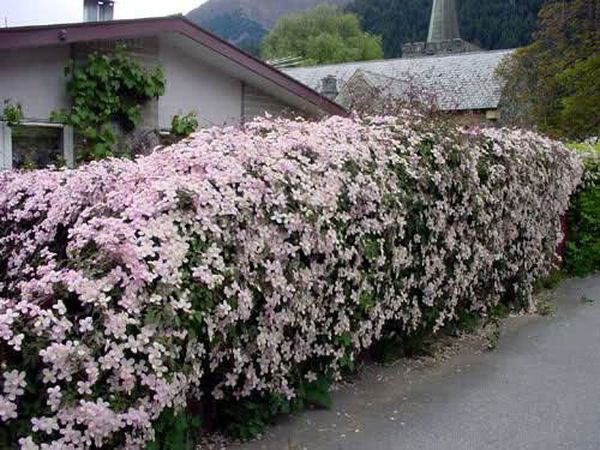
321, 35
553, 83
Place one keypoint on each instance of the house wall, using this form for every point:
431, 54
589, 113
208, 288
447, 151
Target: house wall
193, 85
257, 103
34, 77
5, 158
476, 118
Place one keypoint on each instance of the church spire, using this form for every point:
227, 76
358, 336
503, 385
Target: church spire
444, 22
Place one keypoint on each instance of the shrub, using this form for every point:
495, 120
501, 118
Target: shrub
255, 263
12, 113
583, 249
183, 126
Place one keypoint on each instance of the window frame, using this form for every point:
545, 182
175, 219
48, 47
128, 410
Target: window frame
6, 144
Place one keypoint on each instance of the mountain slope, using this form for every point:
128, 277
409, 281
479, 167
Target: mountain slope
264, 12
238, 29
245, 22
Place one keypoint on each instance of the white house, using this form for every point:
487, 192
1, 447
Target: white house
204, 74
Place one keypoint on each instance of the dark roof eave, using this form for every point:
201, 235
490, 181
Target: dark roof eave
39, 36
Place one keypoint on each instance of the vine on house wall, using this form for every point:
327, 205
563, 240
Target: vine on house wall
108, 90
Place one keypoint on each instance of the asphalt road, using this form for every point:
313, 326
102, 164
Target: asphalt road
539, 390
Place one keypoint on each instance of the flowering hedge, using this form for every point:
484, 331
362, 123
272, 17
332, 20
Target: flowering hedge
241, 259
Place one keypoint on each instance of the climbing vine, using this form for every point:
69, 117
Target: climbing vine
108, 92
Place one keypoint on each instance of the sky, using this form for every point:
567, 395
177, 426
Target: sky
39, 12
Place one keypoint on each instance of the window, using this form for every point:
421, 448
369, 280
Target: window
34, 145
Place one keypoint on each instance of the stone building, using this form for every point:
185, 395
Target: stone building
457, 75
444, 34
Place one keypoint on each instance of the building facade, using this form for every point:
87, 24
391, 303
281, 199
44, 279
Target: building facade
455, 75
204, 75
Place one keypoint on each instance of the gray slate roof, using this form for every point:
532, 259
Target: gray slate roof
464, 81
389, 85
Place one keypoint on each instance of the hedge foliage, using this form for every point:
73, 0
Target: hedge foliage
583, 249
253, 261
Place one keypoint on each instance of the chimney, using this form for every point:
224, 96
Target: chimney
329, 87
98, 10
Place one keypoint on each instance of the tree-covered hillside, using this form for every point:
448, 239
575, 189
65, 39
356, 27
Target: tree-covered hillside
238, 29
245, 23
264, 12
492, 24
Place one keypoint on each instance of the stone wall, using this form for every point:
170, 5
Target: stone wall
419, 49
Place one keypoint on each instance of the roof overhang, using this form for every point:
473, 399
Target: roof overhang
40, 36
